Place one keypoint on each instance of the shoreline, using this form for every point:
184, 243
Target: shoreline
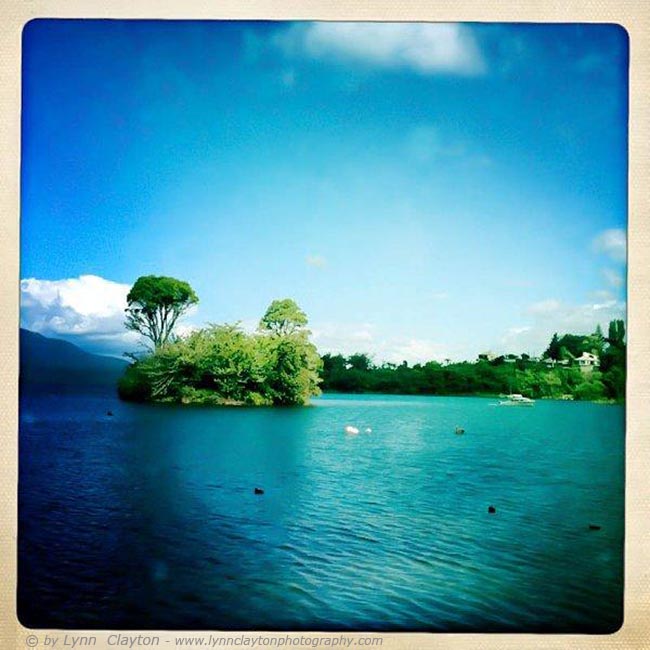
219, 402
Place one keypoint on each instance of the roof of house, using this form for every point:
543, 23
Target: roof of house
587, 356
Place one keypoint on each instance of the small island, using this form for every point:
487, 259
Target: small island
223, 365
220, 365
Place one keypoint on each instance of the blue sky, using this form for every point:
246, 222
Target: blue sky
421, 190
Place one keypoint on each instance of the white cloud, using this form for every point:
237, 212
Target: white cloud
544, 307
317, 261
345, 339
551, 316
511, 341
87, 311
349, 338
427, 48
614, 278
516, 331
612, 243
185, 329
412, 350
602, 294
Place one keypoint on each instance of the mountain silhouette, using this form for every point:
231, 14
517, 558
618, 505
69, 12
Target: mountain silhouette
53, 362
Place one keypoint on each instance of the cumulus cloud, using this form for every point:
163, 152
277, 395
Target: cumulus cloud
426, 48
349, 338
513, 338
185, 329
612, 243
551, 316
614, 278
88, 311
544, 307
343, 339
413, 350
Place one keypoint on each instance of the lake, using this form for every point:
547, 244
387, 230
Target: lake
148, 518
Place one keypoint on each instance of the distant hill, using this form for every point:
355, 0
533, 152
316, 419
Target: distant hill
45, 361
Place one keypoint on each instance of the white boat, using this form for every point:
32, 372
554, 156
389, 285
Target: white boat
515, 399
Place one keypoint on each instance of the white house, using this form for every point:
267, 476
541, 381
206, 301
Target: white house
551, 363
588, 361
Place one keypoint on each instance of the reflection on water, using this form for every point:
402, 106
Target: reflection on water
148, 519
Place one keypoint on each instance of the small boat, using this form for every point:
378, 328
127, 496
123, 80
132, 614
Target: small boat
515, 399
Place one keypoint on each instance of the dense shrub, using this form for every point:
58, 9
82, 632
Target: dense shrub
222, 364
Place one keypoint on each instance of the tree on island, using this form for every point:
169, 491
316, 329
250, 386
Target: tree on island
154, 305
294, 365
224, 365
283, 317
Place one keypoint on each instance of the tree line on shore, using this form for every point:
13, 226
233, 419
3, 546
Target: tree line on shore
278, 364
533, 378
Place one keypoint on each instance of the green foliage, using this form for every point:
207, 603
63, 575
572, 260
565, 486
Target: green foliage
154, 305
293, 369
357, 374
614, 382
590, 389
222, 364
553, 350
283, 317
133, 385
613, 362
596, 341
616, 333
570, 346
360, 362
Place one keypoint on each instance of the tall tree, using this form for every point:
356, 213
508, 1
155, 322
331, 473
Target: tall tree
154, 305
616, 333
553, 350
294, 369
294, 365
595, 342
283, 317
360, 361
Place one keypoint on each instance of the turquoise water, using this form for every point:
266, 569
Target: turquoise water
147, 519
